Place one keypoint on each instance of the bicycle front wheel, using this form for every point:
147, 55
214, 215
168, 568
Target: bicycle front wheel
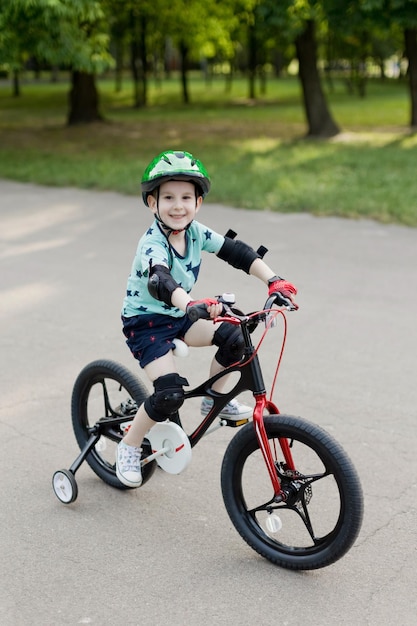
106, 389
322, 513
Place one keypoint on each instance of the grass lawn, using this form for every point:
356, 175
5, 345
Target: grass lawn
255, 151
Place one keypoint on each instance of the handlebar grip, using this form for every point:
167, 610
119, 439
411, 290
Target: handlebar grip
281, 300
198, 312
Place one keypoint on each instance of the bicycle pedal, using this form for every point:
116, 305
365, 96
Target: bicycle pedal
234, 423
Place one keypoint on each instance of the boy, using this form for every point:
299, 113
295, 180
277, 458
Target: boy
164, 270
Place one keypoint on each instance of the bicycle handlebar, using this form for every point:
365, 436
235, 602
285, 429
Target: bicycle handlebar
199, 311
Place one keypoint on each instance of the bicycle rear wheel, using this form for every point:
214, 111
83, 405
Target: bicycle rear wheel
322, 515
106, 389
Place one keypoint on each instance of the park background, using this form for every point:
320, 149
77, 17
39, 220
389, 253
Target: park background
295, 106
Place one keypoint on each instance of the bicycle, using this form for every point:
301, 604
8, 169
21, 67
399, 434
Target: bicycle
290, 489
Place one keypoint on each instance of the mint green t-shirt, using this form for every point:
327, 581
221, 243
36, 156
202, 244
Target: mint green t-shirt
154, 247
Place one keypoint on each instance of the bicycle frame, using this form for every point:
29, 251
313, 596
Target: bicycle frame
251, 379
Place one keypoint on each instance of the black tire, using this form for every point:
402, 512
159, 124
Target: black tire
99, 391
323, 513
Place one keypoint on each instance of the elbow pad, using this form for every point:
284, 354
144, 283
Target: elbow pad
238, 254
161, 284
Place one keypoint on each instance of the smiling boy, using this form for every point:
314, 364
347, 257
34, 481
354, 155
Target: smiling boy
165, 268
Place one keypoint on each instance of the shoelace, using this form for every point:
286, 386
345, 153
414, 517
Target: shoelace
130, 457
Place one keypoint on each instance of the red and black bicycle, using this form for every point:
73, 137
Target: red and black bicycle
289, 488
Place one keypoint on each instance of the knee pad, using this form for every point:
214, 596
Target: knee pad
167, 397
231, 345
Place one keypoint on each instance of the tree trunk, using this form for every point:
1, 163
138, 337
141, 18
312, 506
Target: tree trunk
144, 60
16, 84
135, 71
320, 121
410, 37
184, 66
138, 60
54, 74
252, 60
119, 49
83, 99
229, 78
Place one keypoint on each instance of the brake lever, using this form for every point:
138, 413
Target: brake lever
284, 302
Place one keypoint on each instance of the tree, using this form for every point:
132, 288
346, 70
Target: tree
195, 26
298, 20
404, 13
319, 118
388, 15
79, 40
133, 26
410, 40
138, 23
350, 28
22, 28
254, 25
70, 33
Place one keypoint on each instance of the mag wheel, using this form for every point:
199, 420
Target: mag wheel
106, 389
322, 514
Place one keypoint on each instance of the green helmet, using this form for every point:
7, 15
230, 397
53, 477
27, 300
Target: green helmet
174, 165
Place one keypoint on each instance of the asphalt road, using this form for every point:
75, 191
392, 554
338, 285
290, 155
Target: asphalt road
167, 554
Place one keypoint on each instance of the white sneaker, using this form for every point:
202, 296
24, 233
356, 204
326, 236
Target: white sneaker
232, 411
128, 469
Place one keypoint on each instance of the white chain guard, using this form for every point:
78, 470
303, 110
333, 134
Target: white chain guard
169, 434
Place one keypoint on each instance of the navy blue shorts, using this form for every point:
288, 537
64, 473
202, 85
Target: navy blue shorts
150, 336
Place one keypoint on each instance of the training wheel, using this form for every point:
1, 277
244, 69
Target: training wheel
65, 486
171, 436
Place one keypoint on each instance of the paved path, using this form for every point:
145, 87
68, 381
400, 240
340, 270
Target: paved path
167, 554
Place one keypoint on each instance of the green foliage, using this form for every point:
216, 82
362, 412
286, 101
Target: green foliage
60, 32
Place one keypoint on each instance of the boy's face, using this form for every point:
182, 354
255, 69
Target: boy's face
177, 205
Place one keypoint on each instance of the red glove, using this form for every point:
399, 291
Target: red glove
280, 285
197, 309
206, 301
284, 288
